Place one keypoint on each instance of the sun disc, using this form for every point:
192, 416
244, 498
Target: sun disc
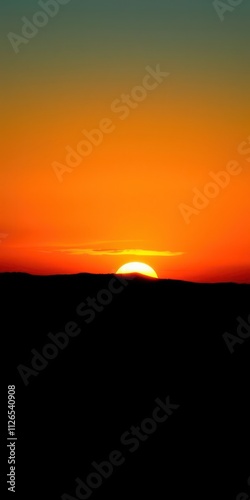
137, 267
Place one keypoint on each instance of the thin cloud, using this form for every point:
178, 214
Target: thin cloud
115, 252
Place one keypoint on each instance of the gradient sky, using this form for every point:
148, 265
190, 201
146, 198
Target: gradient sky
122, 202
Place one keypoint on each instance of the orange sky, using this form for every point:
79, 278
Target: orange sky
126, 194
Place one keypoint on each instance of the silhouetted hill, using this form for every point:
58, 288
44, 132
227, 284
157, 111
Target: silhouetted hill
155, 338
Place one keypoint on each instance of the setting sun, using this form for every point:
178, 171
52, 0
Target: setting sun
137, 267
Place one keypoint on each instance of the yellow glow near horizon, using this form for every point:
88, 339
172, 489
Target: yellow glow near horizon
137, 267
